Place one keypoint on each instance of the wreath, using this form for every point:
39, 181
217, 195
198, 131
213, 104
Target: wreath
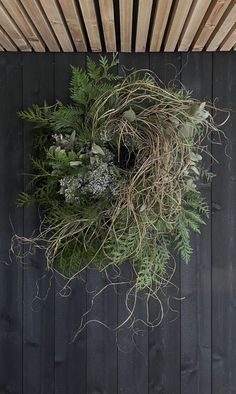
117, 174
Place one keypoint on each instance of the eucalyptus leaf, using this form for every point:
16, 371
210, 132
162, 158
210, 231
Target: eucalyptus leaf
97, 150
75, 163
195, 157
195, 170
129, 115
187, 130
143, 207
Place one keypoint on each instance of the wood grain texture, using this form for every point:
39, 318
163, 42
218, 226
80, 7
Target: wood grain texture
213, 17
91, 24
229, 41
70, 357
72, 18
164, 340
224, 232
143, 22
132, 341
11, 271
35, 12
108, 23
7, 23
176, 24
193, 22
38, 309
127, 25
18, 13
196, 277
6, 42
126, 20
55, 18
159, 25
223, 30
42, 359
102, 361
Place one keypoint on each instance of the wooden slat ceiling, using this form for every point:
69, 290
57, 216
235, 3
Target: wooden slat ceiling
117, 25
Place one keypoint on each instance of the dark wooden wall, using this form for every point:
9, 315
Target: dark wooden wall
194, 349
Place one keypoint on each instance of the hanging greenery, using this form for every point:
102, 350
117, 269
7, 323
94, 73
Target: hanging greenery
117, 174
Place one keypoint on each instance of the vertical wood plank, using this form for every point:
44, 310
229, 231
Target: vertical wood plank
126, 20
71, 15
101, 341
132, 346
11, 163
196, 277
176, 24
164, 341
224, 232
91, 24
70, 357
108, 23
159, 24
144, 14
38, 354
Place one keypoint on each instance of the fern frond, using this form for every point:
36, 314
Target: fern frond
38, 116
25, 199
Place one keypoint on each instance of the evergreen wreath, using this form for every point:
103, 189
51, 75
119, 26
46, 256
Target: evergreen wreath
117, 174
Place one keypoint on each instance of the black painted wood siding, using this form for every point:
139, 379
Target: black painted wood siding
194, 349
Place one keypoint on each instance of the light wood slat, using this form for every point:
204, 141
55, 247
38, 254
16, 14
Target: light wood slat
72, 18
108, 23
34, 11
229, 40
223, 30
144, 14
1, 49
13, 31
53, 14
159, 25
22, 20
126, 20
193, 22
177, 21
6, 42
91, 23
210, 24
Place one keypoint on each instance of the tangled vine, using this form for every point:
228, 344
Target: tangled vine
117, 174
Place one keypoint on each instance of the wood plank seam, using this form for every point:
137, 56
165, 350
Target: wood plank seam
91, 23
108, 23
17, 11
6, 41
193, 21
225, 26
159, 25
210, 22
126, 20
143, 24
176, 23
58, 24
8, 24
38, 16
70, 11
